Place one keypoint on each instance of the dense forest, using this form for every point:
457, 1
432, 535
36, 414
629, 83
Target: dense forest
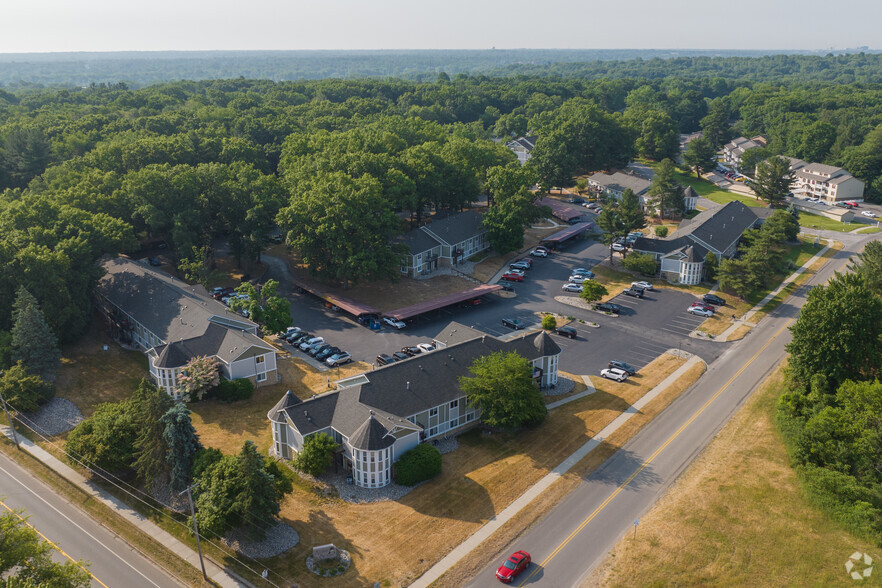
344, 167
140, 68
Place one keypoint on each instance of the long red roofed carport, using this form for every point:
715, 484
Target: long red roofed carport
422, 307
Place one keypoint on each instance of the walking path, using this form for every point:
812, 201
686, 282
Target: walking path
218, 574
494, 524
745, 318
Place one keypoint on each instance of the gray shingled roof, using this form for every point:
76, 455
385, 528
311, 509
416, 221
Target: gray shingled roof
620, 182
228, 345
725, 226
418, 241
275, 414
371, 436
456, 228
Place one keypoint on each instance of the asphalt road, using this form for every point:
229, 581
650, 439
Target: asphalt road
577, 534
113, 561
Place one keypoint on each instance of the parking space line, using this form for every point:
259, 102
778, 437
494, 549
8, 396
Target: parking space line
684, 332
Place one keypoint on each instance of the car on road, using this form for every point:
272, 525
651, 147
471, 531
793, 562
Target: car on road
411, 351
609, 307
614, 374
394, 322
339, 358
635, 292
512, 277
309, 343
518, 265
868, 213
713, 299
704, 305
621, 365
698, 311
328, 352
540, 252
578, 279
572, 287
516, 563
643, 285
566, 332
384, 359
514, 323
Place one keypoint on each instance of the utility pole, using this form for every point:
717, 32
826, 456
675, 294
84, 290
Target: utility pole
196, 529
11, 424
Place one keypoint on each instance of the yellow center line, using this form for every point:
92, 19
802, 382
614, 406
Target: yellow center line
52, 543
650, 459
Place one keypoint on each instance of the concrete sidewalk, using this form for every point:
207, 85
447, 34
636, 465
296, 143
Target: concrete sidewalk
494, 524
221, 576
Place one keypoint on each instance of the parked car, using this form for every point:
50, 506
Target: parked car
516, 270
398, 355
576, 200
635, 234
539, 252
518, 265
618, 247
219, 293
315, 341
698, 311
301, 336
394, 322
621, 365
384, 359
614, 374
516, 563
411, 351
714, 299
635, 292
593, 205
566, 332
609, 307
578, 279
290, 332
314, 351
643, 285
572, 287
513, 323
705, 306
511, 277
426, 347
339, 358
852, 203
868, 213
327, 353
581, 271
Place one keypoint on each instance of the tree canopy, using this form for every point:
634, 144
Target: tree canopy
503, 389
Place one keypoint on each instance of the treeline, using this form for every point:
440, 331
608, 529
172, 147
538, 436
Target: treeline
832, 415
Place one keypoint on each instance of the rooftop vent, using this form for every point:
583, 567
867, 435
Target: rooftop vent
408, 385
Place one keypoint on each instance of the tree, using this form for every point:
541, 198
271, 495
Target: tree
641, 262
264, 306
631, 212
198, 377
751, 158
317, 454
657, 133
868, 265
549, 323
423, 462
26, 559
817, 140
837, 333
661, 231
700, 156
23, 391
33, 342
773, 180
593, 291
182, 444
197, 267
781, 226
148, 405
735, 275
665, 195
711, 264
715, 126
239, 492
504, 390
106, 439
506, 220
611, 223
25, 154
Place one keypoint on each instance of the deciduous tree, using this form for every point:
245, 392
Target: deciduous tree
593, 291
317, 454
503, 388
26, 560
23, 391
700, 156
198, 377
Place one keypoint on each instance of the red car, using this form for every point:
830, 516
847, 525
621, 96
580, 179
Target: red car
513, 277
699, 304
514, 565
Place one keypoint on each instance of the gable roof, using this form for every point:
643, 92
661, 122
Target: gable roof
620, 181
228, 345
456, 228
418, 241
724, 227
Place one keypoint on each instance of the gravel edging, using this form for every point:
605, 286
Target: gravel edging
344, 558
564, 386
57, 416
279, 538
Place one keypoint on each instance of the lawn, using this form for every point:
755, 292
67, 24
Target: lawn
615, 280
476, 483
816, 221
736, 517
710, 191
797, 255
869, 230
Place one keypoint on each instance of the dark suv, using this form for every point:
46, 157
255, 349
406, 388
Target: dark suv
566, 332
384, 359
715, 300
631, 370
609, 307
635, 292
512, 323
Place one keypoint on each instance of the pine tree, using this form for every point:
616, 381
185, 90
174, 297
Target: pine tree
182, 443
149, 404
33, 341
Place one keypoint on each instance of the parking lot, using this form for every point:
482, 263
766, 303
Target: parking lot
645, 328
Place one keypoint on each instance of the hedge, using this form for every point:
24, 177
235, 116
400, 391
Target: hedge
423, 462
233, 390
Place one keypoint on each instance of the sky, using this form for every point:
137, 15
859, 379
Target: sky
128, 25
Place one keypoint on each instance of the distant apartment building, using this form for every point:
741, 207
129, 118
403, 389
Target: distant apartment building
522, 147
827, 182
733, 150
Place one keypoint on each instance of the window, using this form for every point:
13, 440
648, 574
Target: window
454, 404
261, 377
454, 423
433, 411
260, 359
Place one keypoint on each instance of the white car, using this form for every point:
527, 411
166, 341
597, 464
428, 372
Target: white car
394, 323
578, 279
868, 213
539, 253
614, 374
309, 343
698, 311
339, 358
618, 247
517, 271
643, 285
426, 347
572, 287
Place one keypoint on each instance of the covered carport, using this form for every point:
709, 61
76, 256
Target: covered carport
441, 302
559, 239
357, 309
